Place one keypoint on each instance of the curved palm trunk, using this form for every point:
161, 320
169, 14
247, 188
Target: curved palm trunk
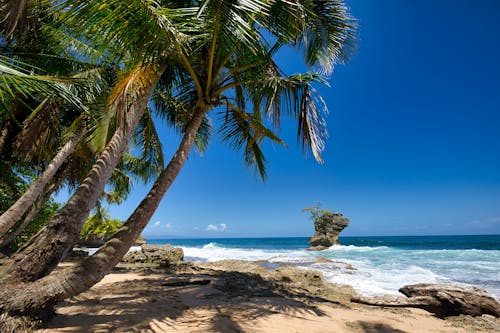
21, 206
32, 298
35, 208
46, 249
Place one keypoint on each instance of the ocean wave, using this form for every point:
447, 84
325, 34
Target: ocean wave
377, 269
355, 248
211, 245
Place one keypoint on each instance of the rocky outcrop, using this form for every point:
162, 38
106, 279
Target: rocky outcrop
157, 255
140, 241
443, 300
327, 228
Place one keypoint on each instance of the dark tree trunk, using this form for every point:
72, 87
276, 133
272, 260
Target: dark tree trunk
3, 135
35, 297
15, 212
46, 249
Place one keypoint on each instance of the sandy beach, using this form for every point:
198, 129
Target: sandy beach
237, 296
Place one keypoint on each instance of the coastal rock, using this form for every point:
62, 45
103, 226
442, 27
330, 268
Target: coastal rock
161, 255
443, 300
92, 242
327, 228
140, 241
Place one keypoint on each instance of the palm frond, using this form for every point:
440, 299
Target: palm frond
119, 28
246, 130
312, 130
146, 139
296, 95
17, 81
176, 112
329, 34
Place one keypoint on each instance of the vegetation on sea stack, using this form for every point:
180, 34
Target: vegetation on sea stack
327, 226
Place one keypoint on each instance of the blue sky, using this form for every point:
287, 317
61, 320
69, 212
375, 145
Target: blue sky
414, 139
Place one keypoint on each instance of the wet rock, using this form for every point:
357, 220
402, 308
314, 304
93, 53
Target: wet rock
161, 255
443, 300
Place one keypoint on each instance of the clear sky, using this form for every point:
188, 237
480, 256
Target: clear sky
414, 139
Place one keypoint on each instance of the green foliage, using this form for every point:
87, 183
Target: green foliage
99, 225
316, 211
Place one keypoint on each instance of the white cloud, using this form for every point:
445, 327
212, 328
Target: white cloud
168, 226
196, 228
212, 227
157, 223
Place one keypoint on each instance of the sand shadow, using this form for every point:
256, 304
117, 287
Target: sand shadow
371, 327
149, 304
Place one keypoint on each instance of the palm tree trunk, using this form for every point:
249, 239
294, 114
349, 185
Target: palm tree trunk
32, 298
3, 135
35, 208
19, 208
46, 249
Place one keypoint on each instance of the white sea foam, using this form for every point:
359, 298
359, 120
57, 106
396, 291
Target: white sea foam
355, 248
378, 270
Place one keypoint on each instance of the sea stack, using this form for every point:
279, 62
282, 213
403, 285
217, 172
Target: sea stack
327, 229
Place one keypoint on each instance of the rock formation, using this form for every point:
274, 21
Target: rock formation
327, 228
161, 255
443, 300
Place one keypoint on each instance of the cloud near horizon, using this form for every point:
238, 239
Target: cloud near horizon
214, 227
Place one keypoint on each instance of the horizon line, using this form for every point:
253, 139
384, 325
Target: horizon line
236, 237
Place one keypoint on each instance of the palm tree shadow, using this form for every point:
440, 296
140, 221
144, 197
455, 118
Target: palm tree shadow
146, 304
370, 327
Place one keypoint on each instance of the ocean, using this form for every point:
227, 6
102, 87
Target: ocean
381, 264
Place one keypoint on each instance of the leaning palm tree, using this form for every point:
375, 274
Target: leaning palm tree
47, 96
231, 73
128, 100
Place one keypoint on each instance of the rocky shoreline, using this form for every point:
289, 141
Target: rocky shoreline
238, 296
156, 291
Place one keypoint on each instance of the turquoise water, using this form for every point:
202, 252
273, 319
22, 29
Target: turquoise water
383, 264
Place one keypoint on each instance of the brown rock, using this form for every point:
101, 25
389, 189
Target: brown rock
140, 241
161, 255
441, 299
327, 228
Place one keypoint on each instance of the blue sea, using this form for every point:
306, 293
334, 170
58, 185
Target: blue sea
382, 264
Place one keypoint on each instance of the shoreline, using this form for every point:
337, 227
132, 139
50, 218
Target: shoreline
368, 280
237, 296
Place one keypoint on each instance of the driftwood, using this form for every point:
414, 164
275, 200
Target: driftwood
441, 299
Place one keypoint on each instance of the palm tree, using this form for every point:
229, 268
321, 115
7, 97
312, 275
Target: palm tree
231, 71
246, 74
19, 208
40, 108
128, 100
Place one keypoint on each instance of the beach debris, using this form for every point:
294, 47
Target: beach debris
443, 300
161, 255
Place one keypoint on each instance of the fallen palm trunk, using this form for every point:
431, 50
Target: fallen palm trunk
443, 300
